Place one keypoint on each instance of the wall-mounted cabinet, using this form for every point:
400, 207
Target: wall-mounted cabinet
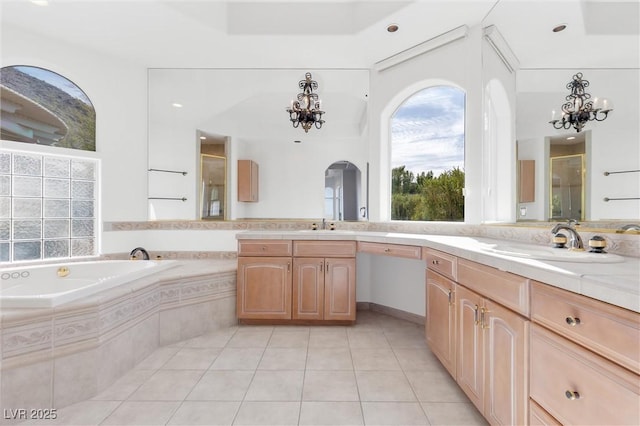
247, 181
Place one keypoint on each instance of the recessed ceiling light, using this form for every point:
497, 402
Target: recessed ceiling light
392, 28
559, 27
297, 141
40, 2
203, 138
177, 105
570, 138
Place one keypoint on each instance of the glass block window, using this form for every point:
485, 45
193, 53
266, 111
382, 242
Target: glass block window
48, 206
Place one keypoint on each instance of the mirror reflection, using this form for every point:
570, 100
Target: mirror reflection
520, 53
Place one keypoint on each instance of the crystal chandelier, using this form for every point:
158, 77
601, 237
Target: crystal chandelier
306, 109
579, 109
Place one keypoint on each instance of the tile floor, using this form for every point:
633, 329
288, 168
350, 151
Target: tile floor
377, 372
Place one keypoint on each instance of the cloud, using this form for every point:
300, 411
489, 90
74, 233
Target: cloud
427, 131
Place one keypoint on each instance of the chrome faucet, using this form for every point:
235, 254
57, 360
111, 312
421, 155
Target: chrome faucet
145, 254
630, 227
576, 241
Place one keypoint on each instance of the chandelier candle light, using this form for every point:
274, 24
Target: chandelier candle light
579, 109
306, 109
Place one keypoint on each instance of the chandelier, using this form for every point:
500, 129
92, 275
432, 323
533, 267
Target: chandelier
305, 110
579, 109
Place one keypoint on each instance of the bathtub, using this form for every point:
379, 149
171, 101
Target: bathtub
47, 286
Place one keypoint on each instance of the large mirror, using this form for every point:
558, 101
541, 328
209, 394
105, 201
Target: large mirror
524, 53
342, 191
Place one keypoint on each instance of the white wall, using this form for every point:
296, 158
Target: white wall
457, 63
614, 142
118, 92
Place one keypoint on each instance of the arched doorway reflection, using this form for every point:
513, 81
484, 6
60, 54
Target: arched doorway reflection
342, 191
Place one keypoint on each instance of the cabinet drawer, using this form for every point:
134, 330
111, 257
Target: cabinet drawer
311, 248
397, 250
608, 330
503, 287
264, 247
440, 262
539, 417
603, 393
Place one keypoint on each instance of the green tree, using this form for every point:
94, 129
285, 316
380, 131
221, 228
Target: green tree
425, 197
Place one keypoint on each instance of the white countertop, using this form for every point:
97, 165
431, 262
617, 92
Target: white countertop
615, 283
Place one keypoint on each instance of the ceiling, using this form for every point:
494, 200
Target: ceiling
328, 33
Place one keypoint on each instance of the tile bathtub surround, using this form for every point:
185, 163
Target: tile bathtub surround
232, 376
80, 348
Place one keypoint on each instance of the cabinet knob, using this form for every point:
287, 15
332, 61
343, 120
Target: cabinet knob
572, 395
572, 321
435, 262
387, 250
264, 248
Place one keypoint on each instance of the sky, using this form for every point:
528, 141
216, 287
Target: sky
427, 131
56, 80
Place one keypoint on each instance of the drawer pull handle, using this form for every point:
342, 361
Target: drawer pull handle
387, 250
572, 395
435, 262
573, 321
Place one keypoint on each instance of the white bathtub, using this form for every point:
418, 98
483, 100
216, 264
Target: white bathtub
41, 286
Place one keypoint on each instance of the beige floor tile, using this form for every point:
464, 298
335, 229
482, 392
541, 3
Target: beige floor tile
367, 339
167, 385
393, 413
330, 413
80, 414
384, 386
222, 385
209, 413
254, 337
141, 413
276, 386
238, 359
158, 358
406, 339
289, 339
331, 338
329, 359
125, 386
192, 359
216, 339
283, 359
330, 386
435, 386
268, 413
374, 359
453, 413
417, 359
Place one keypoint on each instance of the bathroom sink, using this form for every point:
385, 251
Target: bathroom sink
550, 253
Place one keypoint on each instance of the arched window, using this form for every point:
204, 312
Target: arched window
42, 107
427, 156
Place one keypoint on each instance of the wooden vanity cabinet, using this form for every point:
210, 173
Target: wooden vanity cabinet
482, 343
264, 279
440, 319
284, 280
584, 359
324, 286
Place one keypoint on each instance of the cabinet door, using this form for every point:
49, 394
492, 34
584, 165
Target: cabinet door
247, 180
505, 336
264, 288
440, 324
340, 289
469, 348
308, 288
